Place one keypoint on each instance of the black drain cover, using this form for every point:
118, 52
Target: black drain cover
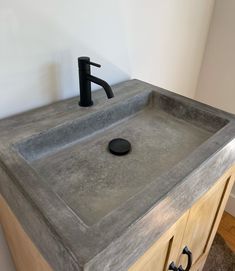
119, 146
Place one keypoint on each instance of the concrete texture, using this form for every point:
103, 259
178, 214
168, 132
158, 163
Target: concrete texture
95, 187
86, 209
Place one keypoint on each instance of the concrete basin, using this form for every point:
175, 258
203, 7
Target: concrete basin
87, 209
74, 159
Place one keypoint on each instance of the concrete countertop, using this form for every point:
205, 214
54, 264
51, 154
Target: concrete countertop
119, 239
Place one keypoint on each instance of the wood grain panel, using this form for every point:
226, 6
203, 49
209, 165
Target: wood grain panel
227, 230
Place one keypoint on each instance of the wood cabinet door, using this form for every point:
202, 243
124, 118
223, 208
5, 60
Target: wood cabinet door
164, 251
203, 221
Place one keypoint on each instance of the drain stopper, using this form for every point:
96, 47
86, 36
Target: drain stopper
119, 146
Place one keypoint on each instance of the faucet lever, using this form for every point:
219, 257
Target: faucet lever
94, 64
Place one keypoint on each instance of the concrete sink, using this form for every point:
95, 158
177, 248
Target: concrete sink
74, 159
76, 199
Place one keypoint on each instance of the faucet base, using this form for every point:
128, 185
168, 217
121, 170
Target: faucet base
86, 105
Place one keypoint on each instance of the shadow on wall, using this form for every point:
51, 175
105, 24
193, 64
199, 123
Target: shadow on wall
39, 48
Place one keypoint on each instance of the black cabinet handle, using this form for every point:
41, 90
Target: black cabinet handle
173, 267
187, 252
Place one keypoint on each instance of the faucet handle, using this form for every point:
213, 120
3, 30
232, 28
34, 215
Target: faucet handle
84, 61
94, 64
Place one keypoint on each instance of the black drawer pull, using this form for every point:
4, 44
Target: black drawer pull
173, 267
187, 252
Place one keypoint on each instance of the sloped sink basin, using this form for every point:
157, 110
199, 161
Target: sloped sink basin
73, 159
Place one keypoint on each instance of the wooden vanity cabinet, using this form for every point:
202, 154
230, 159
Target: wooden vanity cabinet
203, 221
196, 229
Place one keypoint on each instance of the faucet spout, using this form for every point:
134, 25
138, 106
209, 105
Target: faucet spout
101, 83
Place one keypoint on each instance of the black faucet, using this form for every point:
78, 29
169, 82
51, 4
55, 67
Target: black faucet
85, 79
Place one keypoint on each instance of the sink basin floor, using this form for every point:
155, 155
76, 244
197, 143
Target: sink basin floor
93, 182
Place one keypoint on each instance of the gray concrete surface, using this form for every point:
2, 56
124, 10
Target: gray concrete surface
86, 209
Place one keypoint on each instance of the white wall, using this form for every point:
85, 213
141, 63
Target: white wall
158, 41
216, 84
167, 41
